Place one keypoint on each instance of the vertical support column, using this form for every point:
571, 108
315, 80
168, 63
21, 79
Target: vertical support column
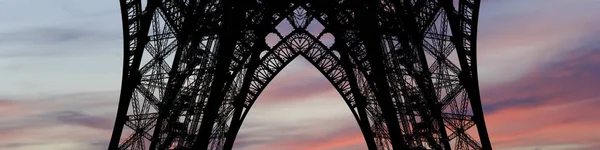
336, 28
466, 77
369, 34
228, 37
131, 76
236, 120
411, 34
360, 99
168, 112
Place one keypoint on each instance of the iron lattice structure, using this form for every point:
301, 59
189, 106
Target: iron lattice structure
405, 68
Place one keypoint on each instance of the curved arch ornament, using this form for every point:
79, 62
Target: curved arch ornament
193, 69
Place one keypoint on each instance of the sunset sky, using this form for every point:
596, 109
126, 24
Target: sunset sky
60, 62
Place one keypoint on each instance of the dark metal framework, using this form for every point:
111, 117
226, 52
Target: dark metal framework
193, 69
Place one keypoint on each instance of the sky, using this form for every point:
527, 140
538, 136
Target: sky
60, 63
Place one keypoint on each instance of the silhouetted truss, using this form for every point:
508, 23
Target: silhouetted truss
193, 69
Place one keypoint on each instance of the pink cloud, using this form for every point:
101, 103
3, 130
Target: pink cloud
293, 84
291, 113
512, 43
573, 78
11, 109
72, 121
574, 123
342, 138
555, 104
340, 142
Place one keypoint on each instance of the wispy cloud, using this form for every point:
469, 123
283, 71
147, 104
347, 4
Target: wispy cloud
556, 101
277, 123
514, 37
560, 81
74, 121
54, 47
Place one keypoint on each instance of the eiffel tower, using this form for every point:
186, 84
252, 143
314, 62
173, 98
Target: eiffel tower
406, 68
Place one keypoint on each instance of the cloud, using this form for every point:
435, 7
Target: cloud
51, 41
59, 137
545, 124
309, 111
74, 121
310, 81
351, 140
562, 81
63, 29
62, 42
79, 118
551, 147
341, 136
514, 38
341, 140
554, 104
34, 146
9, 109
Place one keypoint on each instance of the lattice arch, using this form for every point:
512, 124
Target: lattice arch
299, 42
192, 69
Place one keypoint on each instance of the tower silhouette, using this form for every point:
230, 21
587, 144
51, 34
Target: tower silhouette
406, 68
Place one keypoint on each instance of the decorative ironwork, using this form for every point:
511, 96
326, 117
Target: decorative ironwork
193, 69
